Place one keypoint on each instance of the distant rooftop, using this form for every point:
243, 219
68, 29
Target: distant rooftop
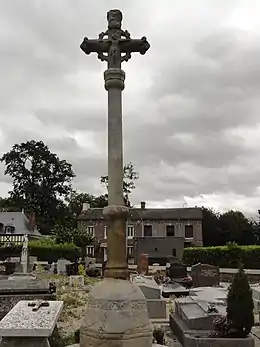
20, 221
190, 213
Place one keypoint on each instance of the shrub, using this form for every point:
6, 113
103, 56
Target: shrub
47, 249
224, 256
240, 305
158, 335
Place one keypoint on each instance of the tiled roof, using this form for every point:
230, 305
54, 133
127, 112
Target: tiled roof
194, 213
19, 221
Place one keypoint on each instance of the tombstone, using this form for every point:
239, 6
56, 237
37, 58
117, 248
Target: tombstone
142, 267
204, 275
20, 287
76, 281
61, 266
30, 323
156, 304
177, 270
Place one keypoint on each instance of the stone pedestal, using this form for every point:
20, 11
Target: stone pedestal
23, 327
116, 316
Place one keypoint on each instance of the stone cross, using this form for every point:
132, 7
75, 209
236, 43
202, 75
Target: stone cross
115, 46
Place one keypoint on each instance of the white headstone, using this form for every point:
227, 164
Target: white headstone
61, 266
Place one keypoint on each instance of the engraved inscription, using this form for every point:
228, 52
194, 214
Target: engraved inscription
106, 305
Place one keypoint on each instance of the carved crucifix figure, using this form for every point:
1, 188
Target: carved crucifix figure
118, 42
115, 46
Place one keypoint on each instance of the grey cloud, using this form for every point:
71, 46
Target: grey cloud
75, 119
202, 82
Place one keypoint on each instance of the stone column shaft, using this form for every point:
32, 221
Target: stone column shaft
116, 212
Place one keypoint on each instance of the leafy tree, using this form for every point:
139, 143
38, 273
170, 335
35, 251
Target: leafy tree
7, 205
235, 227
210, 227
40, 181
240, 305
80, 237
232, 226
76, 200
130, 176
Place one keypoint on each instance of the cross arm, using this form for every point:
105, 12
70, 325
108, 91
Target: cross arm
129, 46
94, 46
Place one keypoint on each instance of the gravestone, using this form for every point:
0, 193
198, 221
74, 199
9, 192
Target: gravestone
156, 304
22, 288
76, 281
142, 267
27, 326
177, 270
193, 319
61, 266
204, 275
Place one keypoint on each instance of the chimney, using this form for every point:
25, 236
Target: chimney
143, 203
32, 221
85, 206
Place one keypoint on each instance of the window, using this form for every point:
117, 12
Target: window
188, 231
90, 251
169, 230
148, 231
105, 232
130, 231
130, 251
174, 252
90, 230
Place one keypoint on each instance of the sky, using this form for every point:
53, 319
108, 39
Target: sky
191, 106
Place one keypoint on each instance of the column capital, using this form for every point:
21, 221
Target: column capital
112, 212
114, 78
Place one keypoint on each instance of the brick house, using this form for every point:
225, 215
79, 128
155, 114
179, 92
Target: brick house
158, 232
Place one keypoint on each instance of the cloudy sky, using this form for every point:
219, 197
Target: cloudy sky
191, 106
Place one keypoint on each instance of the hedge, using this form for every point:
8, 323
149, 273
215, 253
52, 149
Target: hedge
224, 256
44, 249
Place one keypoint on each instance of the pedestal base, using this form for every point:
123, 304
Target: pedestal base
116, 316
24, 342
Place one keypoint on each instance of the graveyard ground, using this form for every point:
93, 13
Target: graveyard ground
74, 299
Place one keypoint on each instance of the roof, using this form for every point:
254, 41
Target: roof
190, 213
19, 220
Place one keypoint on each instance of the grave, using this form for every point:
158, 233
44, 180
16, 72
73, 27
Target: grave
175, 289
256, 297
176, 270
76, 281
156, 304
61, 266
30, 324
142, 267
192, 321
204, 275
13, 291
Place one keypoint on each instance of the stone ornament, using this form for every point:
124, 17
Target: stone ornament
114, 42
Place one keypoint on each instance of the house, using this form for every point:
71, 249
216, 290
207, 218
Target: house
14, 225
158, 232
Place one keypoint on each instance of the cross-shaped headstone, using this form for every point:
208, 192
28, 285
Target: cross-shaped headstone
115, 49
118, 42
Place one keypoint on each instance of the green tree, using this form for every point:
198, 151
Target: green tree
240, 306
129, 178
210, 227
40, 181
235, 227
76, 200
7, 205
80, 237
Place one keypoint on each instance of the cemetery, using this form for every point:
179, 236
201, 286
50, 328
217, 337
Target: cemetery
58, 303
